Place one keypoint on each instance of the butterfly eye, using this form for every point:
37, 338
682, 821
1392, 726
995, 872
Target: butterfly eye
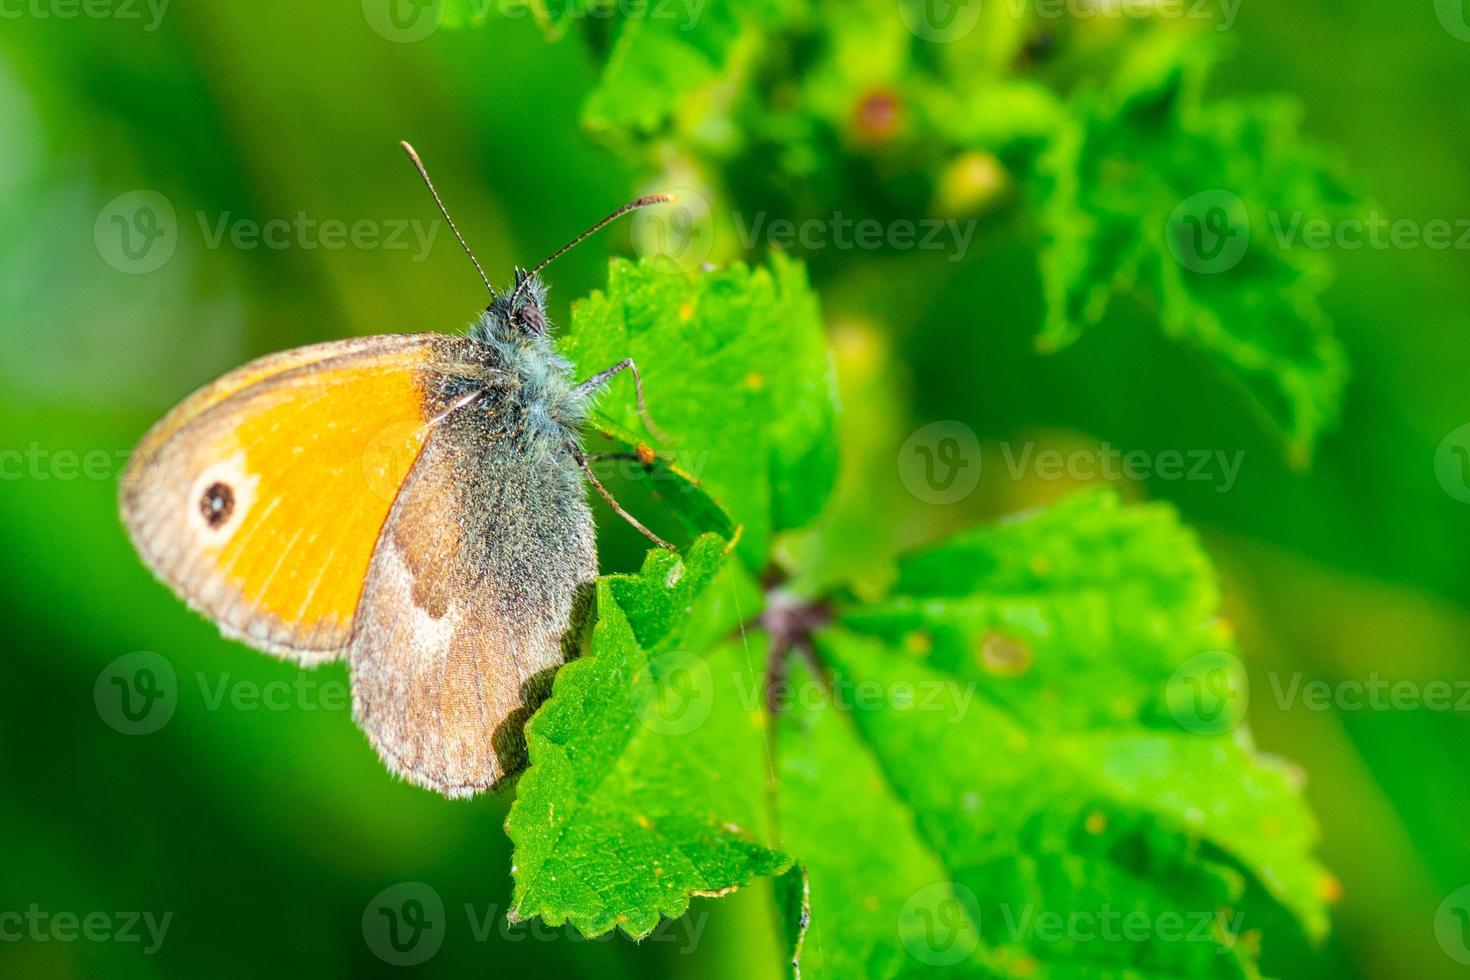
530, 319
217, 504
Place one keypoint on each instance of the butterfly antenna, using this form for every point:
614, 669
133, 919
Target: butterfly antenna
419, 166
642, 202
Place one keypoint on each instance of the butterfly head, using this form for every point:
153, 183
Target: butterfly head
517, 314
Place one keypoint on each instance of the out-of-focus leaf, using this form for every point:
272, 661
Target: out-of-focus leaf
1149, 187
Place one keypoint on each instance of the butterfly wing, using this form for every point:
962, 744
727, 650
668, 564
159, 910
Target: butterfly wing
467, 598
260, 497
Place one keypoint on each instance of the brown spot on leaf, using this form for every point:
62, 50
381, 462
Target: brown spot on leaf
1005, 656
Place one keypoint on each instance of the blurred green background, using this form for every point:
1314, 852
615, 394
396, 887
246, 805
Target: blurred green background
266, 831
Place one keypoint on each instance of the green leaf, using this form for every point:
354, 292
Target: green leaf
736, 370
940, 818
1149, 187
647, 770
986, 798
859, 847
1074, 617
1032, 823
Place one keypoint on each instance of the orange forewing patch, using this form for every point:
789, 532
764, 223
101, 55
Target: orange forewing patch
301, 557
312, 447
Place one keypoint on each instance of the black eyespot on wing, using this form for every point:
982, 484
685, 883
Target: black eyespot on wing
217, 504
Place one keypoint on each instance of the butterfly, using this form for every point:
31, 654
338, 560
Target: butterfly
414, 503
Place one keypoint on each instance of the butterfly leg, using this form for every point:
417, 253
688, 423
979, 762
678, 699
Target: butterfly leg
617, 507
598, 381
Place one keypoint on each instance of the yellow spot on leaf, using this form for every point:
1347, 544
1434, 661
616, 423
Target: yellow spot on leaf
919, 642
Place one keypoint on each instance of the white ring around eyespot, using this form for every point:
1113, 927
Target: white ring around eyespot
232, 473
